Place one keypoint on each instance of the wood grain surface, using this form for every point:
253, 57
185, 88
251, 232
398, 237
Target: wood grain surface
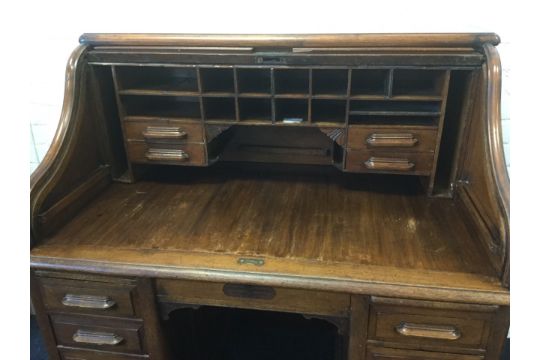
312, 217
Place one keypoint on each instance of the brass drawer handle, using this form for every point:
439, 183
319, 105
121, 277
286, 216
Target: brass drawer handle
389, 164
96, 338
167, 155
391, 140
249, 291
88, 301
159, 132
440, 332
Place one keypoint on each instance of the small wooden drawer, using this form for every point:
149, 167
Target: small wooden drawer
402, 138
88, 297
81, 354
389, 162
430, 325
162, 130
253, 297
99, 333
186, 154
380, 353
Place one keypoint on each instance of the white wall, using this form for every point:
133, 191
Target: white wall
56, 35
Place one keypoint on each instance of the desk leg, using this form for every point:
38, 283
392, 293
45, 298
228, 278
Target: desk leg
358, 327
42, 318
155, 342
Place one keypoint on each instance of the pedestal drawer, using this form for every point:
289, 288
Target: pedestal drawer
88, 297
80, 354
430, 325
107, 334
379, 353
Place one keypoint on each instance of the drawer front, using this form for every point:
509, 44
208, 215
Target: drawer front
166, 131
80, 354
253, 297
409, 139
430, 325
389, 162
380, 353
105, 334
87, 297
187, 154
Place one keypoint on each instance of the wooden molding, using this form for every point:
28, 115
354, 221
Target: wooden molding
336, 134
495, 149
212, 131
450, 40
42, 179
496, 157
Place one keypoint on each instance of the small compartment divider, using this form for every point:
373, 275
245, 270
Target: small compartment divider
273, 92
323, 96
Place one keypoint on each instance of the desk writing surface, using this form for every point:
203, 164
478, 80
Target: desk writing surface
318, 223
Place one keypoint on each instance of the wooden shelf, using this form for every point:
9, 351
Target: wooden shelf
394, 113
330, 97
160, 118
218, 94
254, 95
267, 93
153, 92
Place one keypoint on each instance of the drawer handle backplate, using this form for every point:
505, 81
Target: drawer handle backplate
167, 155
391, 140
88, 301
389, 164
96, 338
441, 332
156, 133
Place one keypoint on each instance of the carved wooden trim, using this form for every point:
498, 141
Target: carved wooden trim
97, 181
336, 134
51, 167
301, 40
341, 323
212, 131
493, 122
495, 150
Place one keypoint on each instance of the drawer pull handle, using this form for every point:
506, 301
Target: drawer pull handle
271, 60
440, 332
166, 155
391, 140
88, 301
252, 261
249, 291
96, 338
389, 164
155, 132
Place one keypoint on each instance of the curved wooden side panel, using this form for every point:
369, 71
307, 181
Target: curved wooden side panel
73, 168
485, 189
493, 118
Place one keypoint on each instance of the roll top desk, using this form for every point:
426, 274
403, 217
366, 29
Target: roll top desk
211, 196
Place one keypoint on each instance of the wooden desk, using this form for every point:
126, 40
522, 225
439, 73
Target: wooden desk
347, 191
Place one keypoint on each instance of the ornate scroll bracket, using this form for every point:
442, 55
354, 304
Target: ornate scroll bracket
336, 134
212, 131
